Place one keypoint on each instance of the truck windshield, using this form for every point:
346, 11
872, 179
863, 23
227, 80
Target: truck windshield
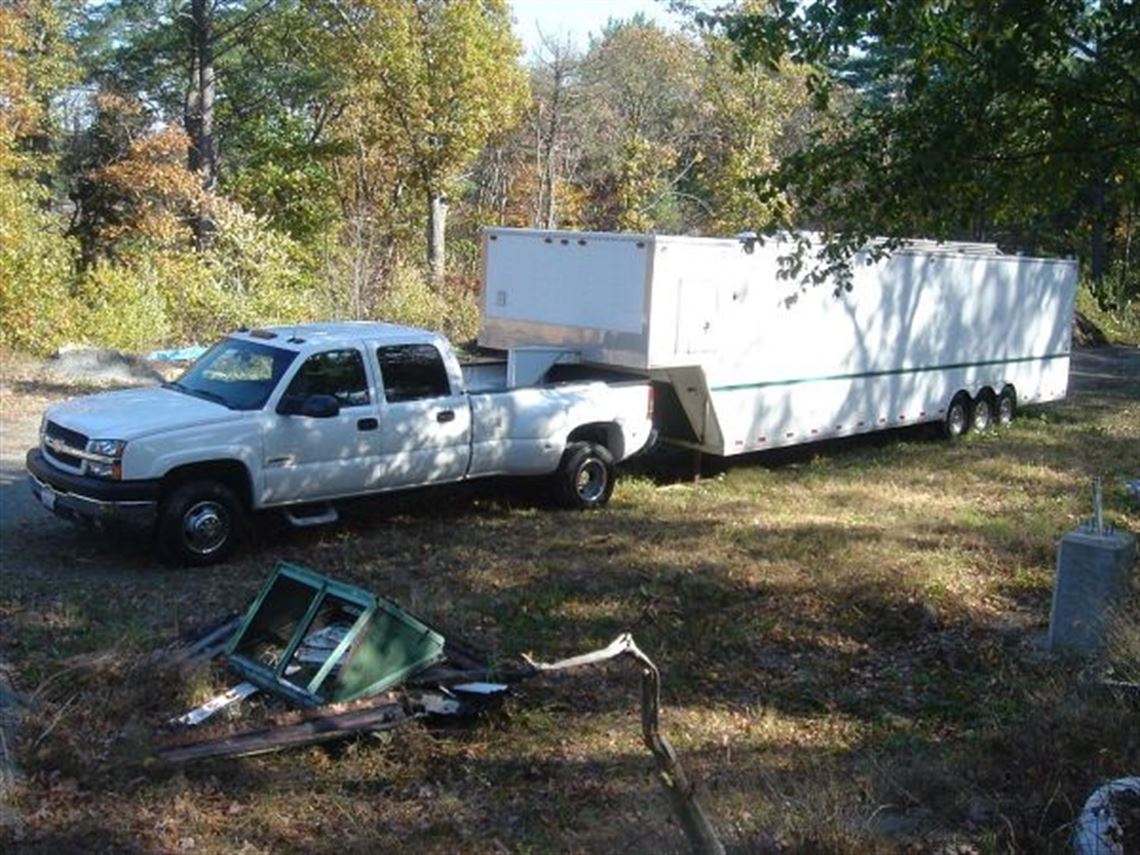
237, 374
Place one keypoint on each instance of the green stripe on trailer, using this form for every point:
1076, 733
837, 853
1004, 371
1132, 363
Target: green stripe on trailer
886, 372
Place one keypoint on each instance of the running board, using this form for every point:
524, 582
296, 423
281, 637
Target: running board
322, 515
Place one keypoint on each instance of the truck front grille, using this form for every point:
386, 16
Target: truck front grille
57, 439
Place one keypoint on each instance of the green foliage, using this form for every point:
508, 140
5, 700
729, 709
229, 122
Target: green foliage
1119, 326
35, 268
754, 116
1009, 121
35, 256
409, 298
293, 190
641, 83
441, 76
430, 82
154, 294
123, 306
36, 63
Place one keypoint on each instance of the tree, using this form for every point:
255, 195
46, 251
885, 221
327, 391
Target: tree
242, 77
35, 258
641, 82
1015, 122
439, 78
752, 118
554, 82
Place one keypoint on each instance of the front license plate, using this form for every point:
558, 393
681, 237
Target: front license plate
47, 497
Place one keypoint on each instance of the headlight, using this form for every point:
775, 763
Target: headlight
107, 447
104, 458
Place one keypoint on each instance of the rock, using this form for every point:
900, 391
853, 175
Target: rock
100, 365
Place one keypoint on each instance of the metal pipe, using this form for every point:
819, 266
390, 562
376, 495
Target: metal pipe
1098, 508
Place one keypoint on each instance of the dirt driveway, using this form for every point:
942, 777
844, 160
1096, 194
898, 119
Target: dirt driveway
33, 541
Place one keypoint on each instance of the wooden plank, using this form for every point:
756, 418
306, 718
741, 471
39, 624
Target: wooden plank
309, 732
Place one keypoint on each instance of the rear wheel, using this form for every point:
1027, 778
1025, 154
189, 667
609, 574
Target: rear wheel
982, 417
1006, 406
200, 523
957, 419
586, 475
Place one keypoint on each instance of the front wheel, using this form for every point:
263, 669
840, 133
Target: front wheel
200, 523
586, 475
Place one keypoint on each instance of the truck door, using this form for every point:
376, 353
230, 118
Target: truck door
309, 458
425, 424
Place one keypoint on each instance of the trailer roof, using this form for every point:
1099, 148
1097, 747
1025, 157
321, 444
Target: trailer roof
925, 245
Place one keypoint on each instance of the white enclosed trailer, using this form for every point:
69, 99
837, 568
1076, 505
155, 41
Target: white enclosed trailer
746, 359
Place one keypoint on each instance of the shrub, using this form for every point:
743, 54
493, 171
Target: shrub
154, 294
409, 299
123, 306
1096, 324
36, 312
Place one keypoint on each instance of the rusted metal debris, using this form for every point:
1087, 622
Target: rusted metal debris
352, 663
335, 650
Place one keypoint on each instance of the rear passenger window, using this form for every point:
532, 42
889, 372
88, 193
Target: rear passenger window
411, 372
339, 373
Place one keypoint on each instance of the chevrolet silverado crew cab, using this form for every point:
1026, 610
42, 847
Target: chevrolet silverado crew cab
296, 417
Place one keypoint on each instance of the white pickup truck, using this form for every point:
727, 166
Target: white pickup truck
295, 417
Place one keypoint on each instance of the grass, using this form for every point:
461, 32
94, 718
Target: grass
1096, 325
848, 634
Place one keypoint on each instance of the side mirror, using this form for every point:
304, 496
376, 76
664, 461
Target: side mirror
320, 407
290, 405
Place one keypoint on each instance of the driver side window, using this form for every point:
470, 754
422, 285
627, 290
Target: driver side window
339, 373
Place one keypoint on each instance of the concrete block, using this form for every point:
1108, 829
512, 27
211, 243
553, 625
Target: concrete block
1094, 571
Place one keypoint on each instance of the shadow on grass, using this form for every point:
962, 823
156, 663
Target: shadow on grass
785, 628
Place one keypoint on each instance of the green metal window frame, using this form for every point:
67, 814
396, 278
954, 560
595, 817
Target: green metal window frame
377, 663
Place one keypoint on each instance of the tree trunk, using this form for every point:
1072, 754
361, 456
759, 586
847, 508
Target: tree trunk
203, 146
560, 68
436, 225
1099, 259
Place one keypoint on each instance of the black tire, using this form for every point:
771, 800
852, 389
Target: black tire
1006, 407
957, 419
585, 477
982, 413
200, 523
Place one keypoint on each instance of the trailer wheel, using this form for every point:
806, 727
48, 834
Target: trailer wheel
200, 523
957, 419
1006, 406
982, 415
586, 475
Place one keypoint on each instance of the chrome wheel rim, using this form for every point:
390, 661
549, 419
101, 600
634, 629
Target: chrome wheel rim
590, 482
956, 419
982, 416
205, 527
1005, 410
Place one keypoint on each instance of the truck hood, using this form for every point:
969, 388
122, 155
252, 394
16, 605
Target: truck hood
133, 413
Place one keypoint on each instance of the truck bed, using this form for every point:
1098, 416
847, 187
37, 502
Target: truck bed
488, 373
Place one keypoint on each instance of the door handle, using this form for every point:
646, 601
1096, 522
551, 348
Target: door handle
367, 424
445, 416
